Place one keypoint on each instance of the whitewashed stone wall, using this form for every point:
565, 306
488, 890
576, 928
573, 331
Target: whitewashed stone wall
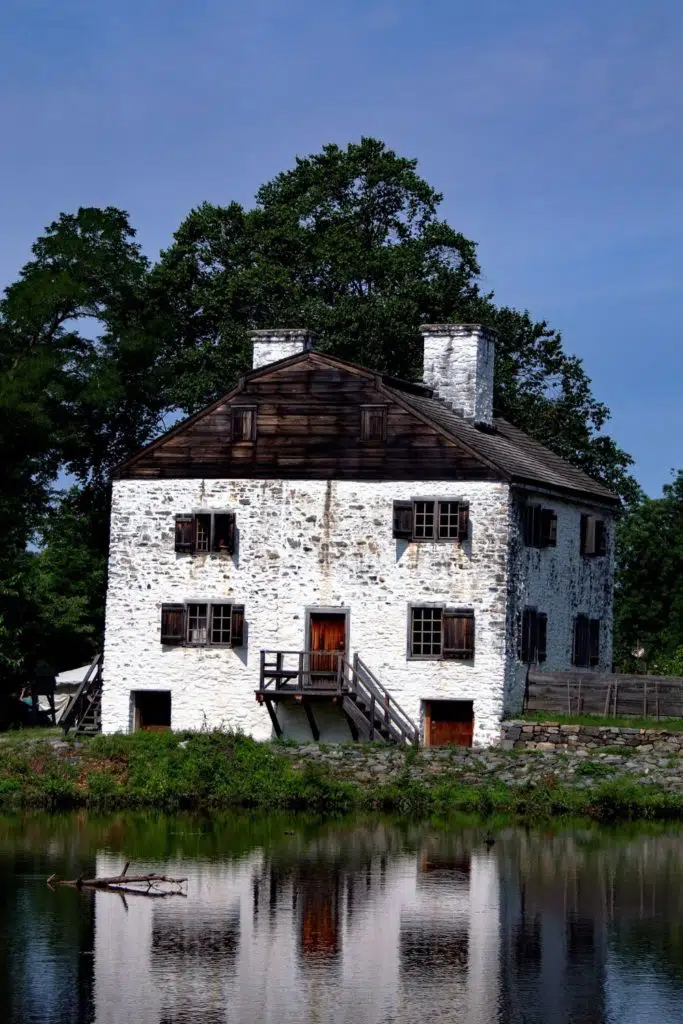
561, 582
300, 544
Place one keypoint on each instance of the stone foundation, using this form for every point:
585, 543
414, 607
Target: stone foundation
555, 736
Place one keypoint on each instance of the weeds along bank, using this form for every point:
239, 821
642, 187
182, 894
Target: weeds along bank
204, 770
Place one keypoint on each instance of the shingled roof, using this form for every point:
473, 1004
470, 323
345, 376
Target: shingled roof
517, 455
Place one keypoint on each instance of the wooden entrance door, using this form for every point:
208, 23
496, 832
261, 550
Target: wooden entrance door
327, 633
449, 722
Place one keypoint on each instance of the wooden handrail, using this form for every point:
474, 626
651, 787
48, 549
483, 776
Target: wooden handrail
68, 718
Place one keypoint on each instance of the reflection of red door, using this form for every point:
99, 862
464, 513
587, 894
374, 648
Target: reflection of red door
449, 722
328, 633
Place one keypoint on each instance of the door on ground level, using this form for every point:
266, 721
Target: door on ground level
151, 710
327, 632
449, 722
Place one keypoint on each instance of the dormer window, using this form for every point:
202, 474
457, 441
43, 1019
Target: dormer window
243, 423
373, 423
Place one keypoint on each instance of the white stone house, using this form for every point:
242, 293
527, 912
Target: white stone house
321, 506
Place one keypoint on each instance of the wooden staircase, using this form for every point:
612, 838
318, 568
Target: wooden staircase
84, 711
370, 710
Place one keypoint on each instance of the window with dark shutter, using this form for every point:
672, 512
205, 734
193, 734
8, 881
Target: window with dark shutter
237, 625
581, 647
593, 536
172, 623
373, 423
453, 520
458, 634
403, 519
533, 639
243, 421
540, 526
548, 528
184, 533
224, 532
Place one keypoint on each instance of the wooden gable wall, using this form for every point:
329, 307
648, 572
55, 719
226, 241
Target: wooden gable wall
308, 426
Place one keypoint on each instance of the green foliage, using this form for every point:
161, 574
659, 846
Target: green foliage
621, 722
649, 582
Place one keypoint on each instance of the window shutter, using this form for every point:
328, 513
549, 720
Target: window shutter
548, 528
600, 537
463, 520
237, 626
224, 532
403, 519
525, 640
458, 635
594, 643
184, 533
529, 515
584, 533
581, 652
172, 623
541, 636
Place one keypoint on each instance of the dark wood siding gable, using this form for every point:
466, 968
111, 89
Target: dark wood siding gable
308, 425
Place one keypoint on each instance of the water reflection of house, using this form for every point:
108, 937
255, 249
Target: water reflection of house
362, 937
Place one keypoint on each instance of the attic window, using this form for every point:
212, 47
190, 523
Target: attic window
373, 423
540, 527
205, 531
593, 536
431, 520
243, 423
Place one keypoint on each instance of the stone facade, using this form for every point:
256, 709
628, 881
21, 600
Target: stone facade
558, 736
561, 582
301, 545
458, 364
271, 346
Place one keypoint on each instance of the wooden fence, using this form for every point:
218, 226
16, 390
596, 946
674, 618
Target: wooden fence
610, 694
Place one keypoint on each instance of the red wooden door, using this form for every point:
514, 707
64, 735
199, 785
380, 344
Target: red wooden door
328, 633
451, 722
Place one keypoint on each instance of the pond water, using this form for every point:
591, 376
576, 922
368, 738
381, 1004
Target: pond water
360, 921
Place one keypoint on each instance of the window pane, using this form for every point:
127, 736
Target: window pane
424, 519
242, 424
220, 623
449, 517
202, 538
426, 632
196, 624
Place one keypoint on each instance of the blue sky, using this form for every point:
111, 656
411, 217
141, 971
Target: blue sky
553, 130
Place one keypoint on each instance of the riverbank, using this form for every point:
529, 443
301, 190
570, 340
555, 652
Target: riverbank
219, 770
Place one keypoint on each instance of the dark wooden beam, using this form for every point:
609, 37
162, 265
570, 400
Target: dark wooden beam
352, 727
311, 721
273, 718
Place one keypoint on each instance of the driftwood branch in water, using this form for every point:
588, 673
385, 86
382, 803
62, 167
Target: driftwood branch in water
124, 883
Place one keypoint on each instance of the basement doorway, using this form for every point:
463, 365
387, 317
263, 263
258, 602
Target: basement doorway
151, 710
448, 723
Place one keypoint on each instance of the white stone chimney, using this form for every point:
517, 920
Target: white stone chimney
278, 343
458, 365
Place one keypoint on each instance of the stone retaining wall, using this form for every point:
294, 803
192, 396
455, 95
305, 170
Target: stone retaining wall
554, 736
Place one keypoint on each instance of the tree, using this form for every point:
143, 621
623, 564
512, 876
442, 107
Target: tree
350, 244
649, 594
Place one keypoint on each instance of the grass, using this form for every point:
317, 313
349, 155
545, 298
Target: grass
623, 722
211, 770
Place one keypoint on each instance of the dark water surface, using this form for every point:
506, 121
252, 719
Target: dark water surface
302, 920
